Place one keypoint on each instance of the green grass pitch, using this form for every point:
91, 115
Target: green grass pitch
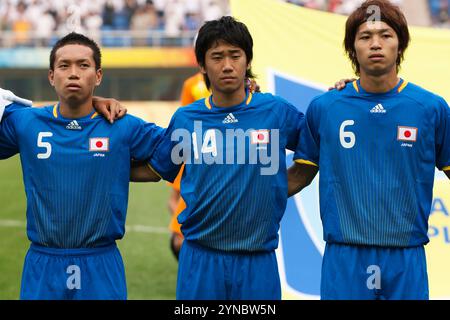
150, 267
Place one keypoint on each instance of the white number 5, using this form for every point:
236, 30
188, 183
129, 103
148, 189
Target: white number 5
46, 145
347, 134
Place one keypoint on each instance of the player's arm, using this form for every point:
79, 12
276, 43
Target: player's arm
307, 153
174, 198
142, 172
109, 108
300, 175
7, 97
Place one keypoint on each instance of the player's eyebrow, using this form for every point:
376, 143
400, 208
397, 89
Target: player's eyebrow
69, 60
231, 51
370, 32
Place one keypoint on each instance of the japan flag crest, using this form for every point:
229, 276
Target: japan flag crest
99, 144
260, 136
408, 134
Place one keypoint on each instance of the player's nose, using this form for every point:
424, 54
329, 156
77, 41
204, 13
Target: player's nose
375, 44
227, 65
73, 73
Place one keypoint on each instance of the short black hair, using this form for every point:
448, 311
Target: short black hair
77, 38
225, 29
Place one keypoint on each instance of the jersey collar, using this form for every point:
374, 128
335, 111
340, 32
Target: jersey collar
397, 89
210, 105
57, 114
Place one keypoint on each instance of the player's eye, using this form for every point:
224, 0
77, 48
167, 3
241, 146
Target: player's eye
85, 65
63, 65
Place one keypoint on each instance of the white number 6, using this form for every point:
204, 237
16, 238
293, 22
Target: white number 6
46, 145
347, 134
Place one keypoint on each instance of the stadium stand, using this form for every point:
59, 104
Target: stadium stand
111, 22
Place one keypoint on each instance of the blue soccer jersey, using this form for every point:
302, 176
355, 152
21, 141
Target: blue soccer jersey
234, 183
76, 172
377, 155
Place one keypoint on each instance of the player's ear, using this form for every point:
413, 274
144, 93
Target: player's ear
99, 77
202, 69
51, 77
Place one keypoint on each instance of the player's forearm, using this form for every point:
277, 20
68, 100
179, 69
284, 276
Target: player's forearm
299, 177
141, 172
173, 200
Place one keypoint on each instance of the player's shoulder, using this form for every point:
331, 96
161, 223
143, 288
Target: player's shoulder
23, 111
330, 97
268, 100
128, 122
192, 108
423, 96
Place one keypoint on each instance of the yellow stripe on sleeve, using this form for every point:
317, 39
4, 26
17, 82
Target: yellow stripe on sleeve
156, 172
301, 161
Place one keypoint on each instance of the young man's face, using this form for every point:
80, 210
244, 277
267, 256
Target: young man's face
376, 46
74, 76
226, 66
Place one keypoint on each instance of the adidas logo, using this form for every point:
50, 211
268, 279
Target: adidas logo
230, 119
378, 109
73, 125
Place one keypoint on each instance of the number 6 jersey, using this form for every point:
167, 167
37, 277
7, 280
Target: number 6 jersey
377, 155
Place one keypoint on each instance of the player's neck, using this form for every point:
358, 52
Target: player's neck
379, 84
225, 100
73, 109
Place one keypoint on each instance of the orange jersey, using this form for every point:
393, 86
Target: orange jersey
174, 226
194, 88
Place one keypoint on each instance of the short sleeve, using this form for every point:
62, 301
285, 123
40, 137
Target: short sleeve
292, 125
9, 145
443, 136
167, 159
144, 138
308, 149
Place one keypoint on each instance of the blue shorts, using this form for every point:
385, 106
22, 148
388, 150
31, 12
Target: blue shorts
207, 274
367, 273
73, 274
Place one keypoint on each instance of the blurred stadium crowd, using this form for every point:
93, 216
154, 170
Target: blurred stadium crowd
155, 22
148, 22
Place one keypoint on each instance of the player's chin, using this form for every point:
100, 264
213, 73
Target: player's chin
378, 70
229, 89
75, 97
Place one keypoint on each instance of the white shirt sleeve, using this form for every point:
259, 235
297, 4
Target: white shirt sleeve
7, 97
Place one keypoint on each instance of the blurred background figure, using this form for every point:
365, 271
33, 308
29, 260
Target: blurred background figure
194, 88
